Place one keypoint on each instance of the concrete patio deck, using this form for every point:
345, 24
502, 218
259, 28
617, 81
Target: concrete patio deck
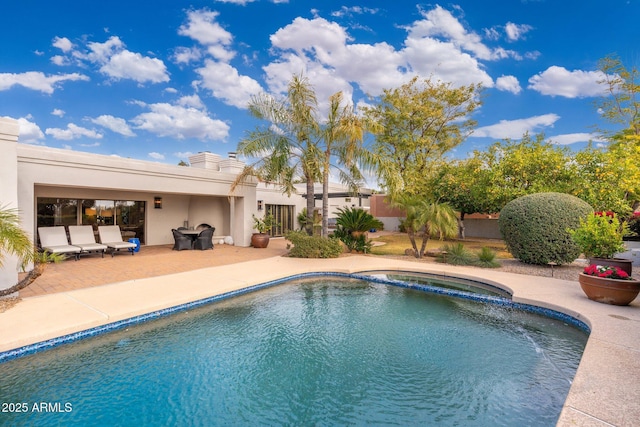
605, 390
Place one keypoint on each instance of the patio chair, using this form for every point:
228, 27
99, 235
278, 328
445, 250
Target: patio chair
110, 235
182, 242
203, 226
204, 240
83, 237
54, 240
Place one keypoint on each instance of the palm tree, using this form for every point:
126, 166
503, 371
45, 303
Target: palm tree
13, 239
342, 136
428, 218
286, 147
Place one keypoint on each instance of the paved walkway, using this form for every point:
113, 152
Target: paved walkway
604, 392
151, 261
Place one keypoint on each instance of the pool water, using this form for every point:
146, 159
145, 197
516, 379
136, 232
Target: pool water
325, 351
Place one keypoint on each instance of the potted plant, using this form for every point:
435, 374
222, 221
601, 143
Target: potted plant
263, 226
599, 236
608, 285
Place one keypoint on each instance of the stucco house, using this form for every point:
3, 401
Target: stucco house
53, 186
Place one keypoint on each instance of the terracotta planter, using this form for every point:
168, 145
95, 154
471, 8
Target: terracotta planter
625, 265
609, 291
259, 240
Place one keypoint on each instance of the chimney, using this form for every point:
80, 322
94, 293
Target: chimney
205, 160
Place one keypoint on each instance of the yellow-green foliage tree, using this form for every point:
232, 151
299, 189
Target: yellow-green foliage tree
621, 106
418, 123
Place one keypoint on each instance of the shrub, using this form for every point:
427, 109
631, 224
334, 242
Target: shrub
358, 242
534, 227
356, 219
487, 258
456, 254
305, 246
599, 235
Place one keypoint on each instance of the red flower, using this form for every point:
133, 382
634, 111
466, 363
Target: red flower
608, 272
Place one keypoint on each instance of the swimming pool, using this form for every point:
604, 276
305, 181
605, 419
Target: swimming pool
326, 351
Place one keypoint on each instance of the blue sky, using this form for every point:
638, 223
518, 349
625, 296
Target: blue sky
162, 80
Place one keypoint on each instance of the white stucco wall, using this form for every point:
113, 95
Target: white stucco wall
8, 191
50, 172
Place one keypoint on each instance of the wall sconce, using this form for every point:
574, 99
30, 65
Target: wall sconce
157, 202
260, 205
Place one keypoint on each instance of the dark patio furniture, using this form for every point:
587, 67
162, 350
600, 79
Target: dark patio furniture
204, 240
182, 242
203, 226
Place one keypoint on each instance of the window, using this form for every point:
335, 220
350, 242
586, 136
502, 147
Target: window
284, 218
128, 214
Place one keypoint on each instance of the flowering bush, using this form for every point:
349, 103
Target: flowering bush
606, 271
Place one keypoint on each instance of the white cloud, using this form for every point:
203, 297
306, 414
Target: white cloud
58, 112
514, 129
72, 132
180, 122
118, 63
38, 81
572, 138
28, 131
437, 46
129, 65
515, 32
185, 55
60, 60
225, 83
508, 84
354, 10
240, 2
439, 22
191, 101
156, 156
114, 124
183, 154
201, 26
558, 81
63, 43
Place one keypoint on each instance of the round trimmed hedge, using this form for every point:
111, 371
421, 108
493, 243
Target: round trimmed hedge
534, 227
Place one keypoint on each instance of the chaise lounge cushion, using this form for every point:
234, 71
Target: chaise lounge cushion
83, 237
54, 240
110, 235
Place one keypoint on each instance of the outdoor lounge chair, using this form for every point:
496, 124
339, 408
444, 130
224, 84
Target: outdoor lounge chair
110, 235
205, 239
182, 242
83, 237
54, 240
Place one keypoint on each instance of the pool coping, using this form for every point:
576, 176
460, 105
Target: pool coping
604, 390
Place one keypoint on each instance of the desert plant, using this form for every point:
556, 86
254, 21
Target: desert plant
534, 227
265, 224
356, 219
456, 254
599, 235
486, 258
305, 246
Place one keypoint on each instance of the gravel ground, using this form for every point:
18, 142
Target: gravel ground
564, 272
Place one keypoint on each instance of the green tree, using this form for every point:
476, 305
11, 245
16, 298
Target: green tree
465, 185
286, 145
425, 219
341, 137
621, 106
418, 123
488, 180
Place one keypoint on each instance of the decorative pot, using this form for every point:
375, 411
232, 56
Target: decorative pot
609, 291
260, 240
625, 265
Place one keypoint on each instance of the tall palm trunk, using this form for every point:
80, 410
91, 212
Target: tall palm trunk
311, 204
